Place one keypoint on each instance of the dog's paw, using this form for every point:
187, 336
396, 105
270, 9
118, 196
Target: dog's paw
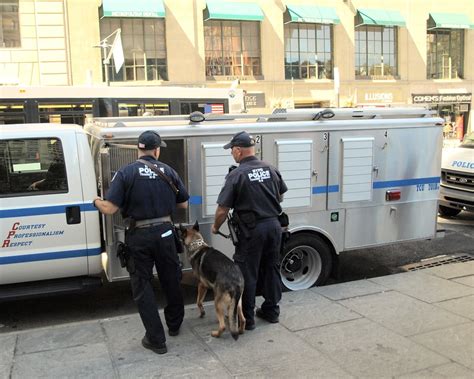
202, 314
215, 333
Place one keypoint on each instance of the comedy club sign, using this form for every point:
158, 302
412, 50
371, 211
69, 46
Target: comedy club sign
442, 98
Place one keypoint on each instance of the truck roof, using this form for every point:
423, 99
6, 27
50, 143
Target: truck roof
28, 128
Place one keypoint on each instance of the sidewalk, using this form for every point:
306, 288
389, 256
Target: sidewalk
411, 325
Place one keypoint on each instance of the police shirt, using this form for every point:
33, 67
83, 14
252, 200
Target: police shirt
142, 194
253, 186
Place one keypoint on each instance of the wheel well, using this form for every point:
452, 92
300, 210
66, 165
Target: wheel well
334, 255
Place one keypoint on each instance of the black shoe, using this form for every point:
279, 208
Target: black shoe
159, 348
173, 333
249, 325
271, 319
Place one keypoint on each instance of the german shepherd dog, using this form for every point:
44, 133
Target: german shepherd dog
216, 271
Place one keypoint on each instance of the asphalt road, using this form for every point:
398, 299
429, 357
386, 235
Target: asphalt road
114, 299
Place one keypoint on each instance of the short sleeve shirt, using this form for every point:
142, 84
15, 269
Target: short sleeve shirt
142, 194
253, 186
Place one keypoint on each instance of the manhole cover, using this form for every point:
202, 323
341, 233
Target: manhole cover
440, 260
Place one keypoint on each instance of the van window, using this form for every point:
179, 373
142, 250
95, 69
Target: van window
31, 167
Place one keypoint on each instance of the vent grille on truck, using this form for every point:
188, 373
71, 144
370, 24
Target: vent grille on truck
461, 180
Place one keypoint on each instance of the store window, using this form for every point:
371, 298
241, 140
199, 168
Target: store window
445, 49
308, 51
12, 113
144, 48
232, 48
376, 52
9, 24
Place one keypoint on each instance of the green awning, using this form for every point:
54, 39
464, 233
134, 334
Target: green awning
380, 17
135, 8
449, 20
227, 10
310, 13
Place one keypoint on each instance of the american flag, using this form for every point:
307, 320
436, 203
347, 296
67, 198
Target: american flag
214, 108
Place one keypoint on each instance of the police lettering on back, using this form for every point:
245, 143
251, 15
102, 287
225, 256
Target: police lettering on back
146, 171
259, 174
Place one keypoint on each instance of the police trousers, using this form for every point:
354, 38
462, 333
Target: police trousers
259, 255
155, 247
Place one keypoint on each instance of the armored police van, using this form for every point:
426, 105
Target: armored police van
457, 178
356, 178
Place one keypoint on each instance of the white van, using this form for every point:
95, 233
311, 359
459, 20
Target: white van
356, 178
457, 178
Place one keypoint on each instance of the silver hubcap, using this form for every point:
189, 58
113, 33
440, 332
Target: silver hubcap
300, 268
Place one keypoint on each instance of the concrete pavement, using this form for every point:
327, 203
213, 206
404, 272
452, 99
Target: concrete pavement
410, 325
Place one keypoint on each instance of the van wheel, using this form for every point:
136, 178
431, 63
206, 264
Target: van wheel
306, 261
447, 211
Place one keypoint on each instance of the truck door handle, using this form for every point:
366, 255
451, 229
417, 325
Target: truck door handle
73, 215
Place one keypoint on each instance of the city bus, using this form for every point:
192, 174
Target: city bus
74, 105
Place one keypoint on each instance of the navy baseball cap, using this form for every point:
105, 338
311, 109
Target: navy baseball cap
150, 140
241, 139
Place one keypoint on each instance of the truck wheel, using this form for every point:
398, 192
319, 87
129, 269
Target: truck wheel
447, 211
306, 261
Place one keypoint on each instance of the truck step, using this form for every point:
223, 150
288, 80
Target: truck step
48, 288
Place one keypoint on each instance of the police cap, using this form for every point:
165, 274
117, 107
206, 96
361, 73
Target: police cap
241, 139
150, 140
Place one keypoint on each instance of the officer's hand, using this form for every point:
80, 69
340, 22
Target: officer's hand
214, 230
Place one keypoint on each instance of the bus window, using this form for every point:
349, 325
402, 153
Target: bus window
12, 113
66, 113
143, 109
192, 106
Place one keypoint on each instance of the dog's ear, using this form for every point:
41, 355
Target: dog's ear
196, 226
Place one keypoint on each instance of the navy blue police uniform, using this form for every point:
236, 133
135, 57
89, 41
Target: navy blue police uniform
254, 188
144, 196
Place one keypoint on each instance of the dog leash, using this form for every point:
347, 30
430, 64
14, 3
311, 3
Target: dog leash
223, 235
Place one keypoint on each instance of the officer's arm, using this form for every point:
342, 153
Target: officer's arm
219, 218
183, 205
105, 206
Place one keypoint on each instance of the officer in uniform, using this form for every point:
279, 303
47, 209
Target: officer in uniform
254, 190
147, 199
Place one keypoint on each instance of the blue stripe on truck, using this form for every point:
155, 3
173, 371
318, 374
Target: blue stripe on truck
49, 256
37, 211
406, 182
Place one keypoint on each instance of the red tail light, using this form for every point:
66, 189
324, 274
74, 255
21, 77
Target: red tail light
392, 195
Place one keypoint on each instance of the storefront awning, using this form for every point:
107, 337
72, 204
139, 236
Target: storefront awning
227, 10
310, 13
449, 21
379, 17
135, 8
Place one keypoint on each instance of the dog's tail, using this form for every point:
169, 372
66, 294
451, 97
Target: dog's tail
233, 313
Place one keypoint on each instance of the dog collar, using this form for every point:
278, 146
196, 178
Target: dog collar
195, 245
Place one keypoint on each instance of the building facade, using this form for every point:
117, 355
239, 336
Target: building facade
298, 53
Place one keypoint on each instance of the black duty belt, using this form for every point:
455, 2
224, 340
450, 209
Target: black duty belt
152, 222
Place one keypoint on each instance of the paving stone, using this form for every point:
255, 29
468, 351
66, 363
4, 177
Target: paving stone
401, 313
449, 370
90, 360
289, 298
349, 290
300, 369
7, 350
59, 337
456, 342
463, 306
466, 280
320, 311
425, 287
452, 270
268, 346
366, 349
187, 354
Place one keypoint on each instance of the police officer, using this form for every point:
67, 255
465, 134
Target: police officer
148, 199
254, 190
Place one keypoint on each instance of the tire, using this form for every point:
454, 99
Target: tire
306, 261
447, 211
